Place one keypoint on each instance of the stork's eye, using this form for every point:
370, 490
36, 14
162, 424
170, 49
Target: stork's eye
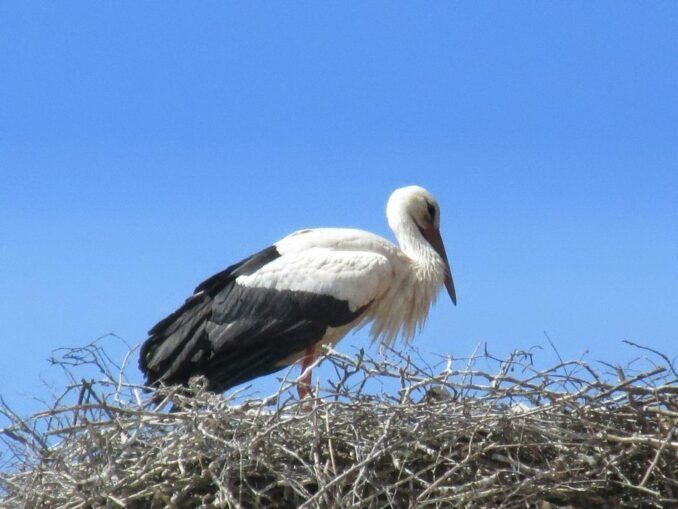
431, 210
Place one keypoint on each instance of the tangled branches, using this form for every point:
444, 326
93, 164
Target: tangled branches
387, 433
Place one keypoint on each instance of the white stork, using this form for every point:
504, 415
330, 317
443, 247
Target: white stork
279, 305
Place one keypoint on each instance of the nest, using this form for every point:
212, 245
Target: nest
388, 432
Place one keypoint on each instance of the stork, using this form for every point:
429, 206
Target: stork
278, 306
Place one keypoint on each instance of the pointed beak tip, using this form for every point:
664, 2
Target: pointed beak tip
451, 290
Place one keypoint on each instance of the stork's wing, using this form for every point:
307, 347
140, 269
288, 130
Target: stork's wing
248, 320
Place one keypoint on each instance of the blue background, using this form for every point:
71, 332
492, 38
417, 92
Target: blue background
146, 145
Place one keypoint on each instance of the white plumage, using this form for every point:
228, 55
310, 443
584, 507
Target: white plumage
310, 288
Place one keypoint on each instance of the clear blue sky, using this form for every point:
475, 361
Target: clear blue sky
146, 145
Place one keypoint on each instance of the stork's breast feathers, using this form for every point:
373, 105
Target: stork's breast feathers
356, 277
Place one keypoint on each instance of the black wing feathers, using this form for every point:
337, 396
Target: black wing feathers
260, 353
246, 267
231, 333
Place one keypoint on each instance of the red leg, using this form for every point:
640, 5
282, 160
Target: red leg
304, 385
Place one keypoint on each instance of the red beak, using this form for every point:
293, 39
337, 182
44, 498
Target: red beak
436, 241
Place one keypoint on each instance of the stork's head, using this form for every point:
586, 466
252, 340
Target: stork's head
414, 205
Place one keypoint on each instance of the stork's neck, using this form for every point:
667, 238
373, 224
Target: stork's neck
415, 289
429, 267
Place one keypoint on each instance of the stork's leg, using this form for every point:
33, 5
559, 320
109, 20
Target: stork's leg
304, 385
